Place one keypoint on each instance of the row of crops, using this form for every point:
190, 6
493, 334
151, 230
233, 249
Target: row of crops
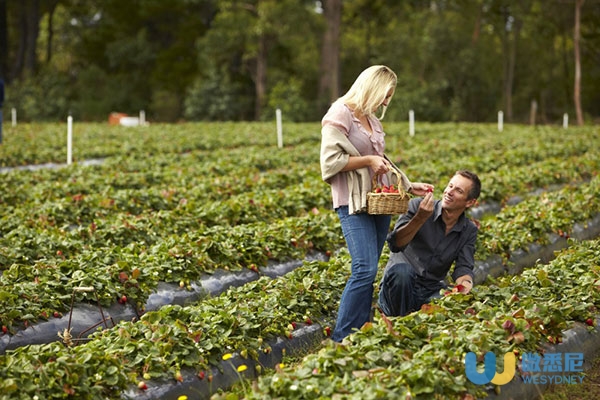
175, 204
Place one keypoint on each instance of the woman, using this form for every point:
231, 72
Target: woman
352, 149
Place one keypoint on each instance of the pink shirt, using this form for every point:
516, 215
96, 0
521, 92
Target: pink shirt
340, 116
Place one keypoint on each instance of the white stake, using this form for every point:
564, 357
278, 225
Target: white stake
13, 113
500, 121
69, 140
565, 120
142, 117
411, 123
279, 129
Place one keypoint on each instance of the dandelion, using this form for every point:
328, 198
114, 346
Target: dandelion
242, 368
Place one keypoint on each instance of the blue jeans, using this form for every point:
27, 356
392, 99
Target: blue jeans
365, 237
401, 291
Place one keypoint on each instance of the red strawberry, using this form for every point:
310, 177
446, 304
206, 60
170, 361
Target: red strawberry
201, 375
178, 376
142, 385
508, 325
589, 321
4, 329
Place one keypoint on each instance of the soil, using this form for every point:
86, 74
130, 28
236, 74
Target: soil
588, 389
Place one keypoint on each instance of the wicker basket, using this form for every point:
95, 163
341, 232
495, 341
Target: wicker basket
387, 203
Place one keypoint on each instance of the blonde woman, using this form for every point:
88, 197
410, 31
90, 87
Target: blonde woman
352, 152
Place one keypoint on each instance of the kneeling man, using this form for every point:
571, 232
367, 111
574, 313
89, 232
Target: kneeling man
425, 242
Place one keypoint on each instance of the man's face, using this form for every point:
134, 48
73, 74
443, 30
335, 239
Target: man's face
456, 194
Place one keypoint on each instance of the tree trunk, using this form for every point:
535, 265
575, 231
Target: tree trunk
477, 28
25, 60
329, 83
17, 67
33, 28
576, 37
50, 31
260, 83
3, 42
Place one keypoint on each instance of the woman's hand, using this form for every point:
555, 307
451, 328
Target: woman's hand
421, 189
379, 165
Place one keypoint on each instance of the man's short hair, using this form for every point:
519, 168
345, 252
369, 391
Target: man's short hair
475, 187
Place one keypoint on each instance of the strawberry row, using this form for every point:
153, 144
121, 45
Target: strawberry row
36, 143
242, 320
164, 342
422, 354
36, 292
107, 253
84, 205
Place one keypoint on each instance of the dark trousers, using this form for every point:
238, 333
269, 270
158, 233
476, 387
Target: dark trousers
402, 291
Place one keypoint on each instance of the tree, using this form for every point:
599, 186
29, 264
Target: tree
26, 61
3, 41
576, 38
329, 82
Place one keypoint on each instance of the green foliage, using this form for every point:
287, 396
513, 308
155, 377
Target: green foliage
287, 96
170, 203
216, 98
44, 97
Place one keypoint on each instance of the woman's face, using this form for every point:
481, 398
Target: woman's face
388, 97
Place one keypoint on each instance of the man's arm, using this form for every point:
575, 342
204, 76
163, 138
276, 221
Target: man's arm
465, 263
407, 232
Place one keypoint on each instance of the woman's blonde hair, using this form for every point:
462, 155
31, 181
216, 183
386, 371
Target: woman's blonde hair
370, 89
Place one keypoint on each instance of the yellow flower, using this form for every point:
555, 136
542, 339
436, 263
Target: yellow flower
241, 368
227, 356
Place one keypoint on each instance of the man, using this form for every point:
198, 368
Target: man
425, 242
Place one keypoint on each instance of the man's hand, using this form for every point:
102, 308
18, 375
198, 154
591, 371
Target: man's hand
426, 207
466, 282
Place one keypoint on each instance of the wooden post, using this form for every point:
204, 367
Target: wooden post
500, 121
69, 140
532, 112
279, 129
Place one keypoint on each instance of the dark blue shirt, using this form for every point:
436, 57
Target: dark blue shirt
432, 252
